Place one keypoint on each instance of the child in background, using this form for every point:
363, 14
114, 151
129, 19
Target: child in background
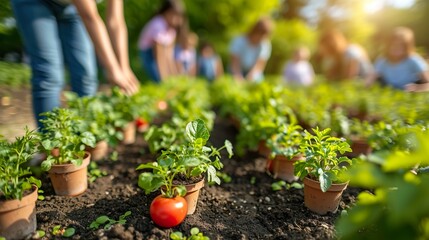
401, 67
341, 59
250, 52
186, 55
299, 71
157, 41
209, 63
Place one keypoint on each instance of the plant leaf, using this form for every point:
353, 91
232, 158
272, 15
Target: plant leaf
195, 231
229, 148
325, 180
197, 129
69, 232
102, 219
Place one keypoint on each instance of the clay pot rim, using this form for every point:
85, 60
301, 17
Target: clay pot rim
335, 187
192, 187
70, 167
13, 204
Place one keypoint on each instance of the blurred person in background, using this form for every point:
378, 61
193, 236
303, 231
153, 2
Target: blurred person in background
342, 60
299, 71
59, 32
157, 41
250, 52
209, 63
400, 66
186, 54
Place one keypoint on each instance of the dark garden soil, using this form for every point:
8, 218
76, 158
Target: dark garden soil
236, 210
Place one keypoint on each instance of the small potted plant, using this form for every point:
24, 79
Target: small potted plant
359, 136
321, 169
65, 145
285, 151
190, 162
18, 191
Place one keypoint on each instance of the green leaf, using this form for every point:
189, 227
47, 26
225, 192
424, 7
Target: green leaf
94, 225
197, 129
228, 146
195, 231
181, 190
40, 233
56, 229
176, 235
149, 182
88, 139
277, 186
69, 232
211, 175
325, 180
297, 185
102, 219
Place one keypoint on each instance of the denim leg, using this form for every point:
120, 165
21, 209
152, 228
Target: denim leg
78, 52
38, 28
150, 65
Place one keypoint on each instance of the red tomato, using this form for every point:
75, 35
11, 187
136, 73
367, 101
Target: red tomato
168, 212
162, 105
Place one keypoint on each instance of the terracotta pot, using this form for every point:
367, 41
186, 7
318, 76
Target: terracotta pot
68, 179
100, 151
192, 194
129, 132
322, 202
359, 146
18, 217
282, 167
263, 148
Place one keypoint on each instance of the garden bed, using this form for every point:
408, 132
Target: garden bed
235, 210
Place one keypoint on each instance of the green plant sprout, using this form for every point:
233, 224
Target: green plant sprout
108, 222
195, 235
94, 172
58, 230
279, 185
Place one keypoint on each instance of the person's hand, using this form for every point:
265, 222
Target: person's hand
413, 87
134, 82
124, 80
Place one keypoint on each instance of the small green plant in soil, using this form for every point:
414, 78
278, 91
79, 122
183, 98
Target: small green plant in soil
195, 235
323, 162
62, 140
108, 222
58, 230
187, 161
279, 185
287, 141
15, 179
94, 172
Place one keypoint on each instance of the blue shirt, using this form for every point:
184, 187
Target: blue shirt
207, 67
248, 53
402, 73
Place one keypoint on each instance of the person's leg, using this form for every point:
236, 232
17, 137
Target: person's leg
149, 64
78, 52
38, 28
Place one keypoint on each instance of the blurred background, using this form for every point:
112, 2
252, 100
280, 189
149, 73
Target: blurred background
297, 22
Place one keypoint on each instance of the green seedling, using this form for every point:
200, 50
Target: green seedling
223, 177
40, 233
58, 230
277, 186
108, 222
253, 180
195, 235
94, 172
114, 156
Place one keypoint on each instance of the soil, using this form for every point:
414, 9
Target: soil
235, 210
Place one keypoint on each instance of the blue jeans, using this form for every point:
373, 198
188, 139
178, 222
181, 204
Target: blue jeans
54, 35
149, 64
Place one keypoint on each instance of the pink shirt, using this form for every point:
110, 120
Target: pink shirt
156, 30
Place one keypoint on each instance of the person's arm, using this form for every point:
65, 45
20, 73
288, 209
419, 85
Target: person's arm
103, 47
419, 87
257, 68
118, 33
219, 68
236, 67
171, 62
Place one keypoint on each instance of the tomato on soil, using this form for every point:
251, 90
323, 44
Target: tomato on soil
141, 124
168, 212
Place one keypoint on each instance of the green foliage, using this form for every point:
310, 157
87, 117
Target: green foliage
108, 222
287, 141
279, 185
58, 230
397, 207
62, 140
94, 172
15, 179
14, 74
195, 235
322, 161
190, 160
